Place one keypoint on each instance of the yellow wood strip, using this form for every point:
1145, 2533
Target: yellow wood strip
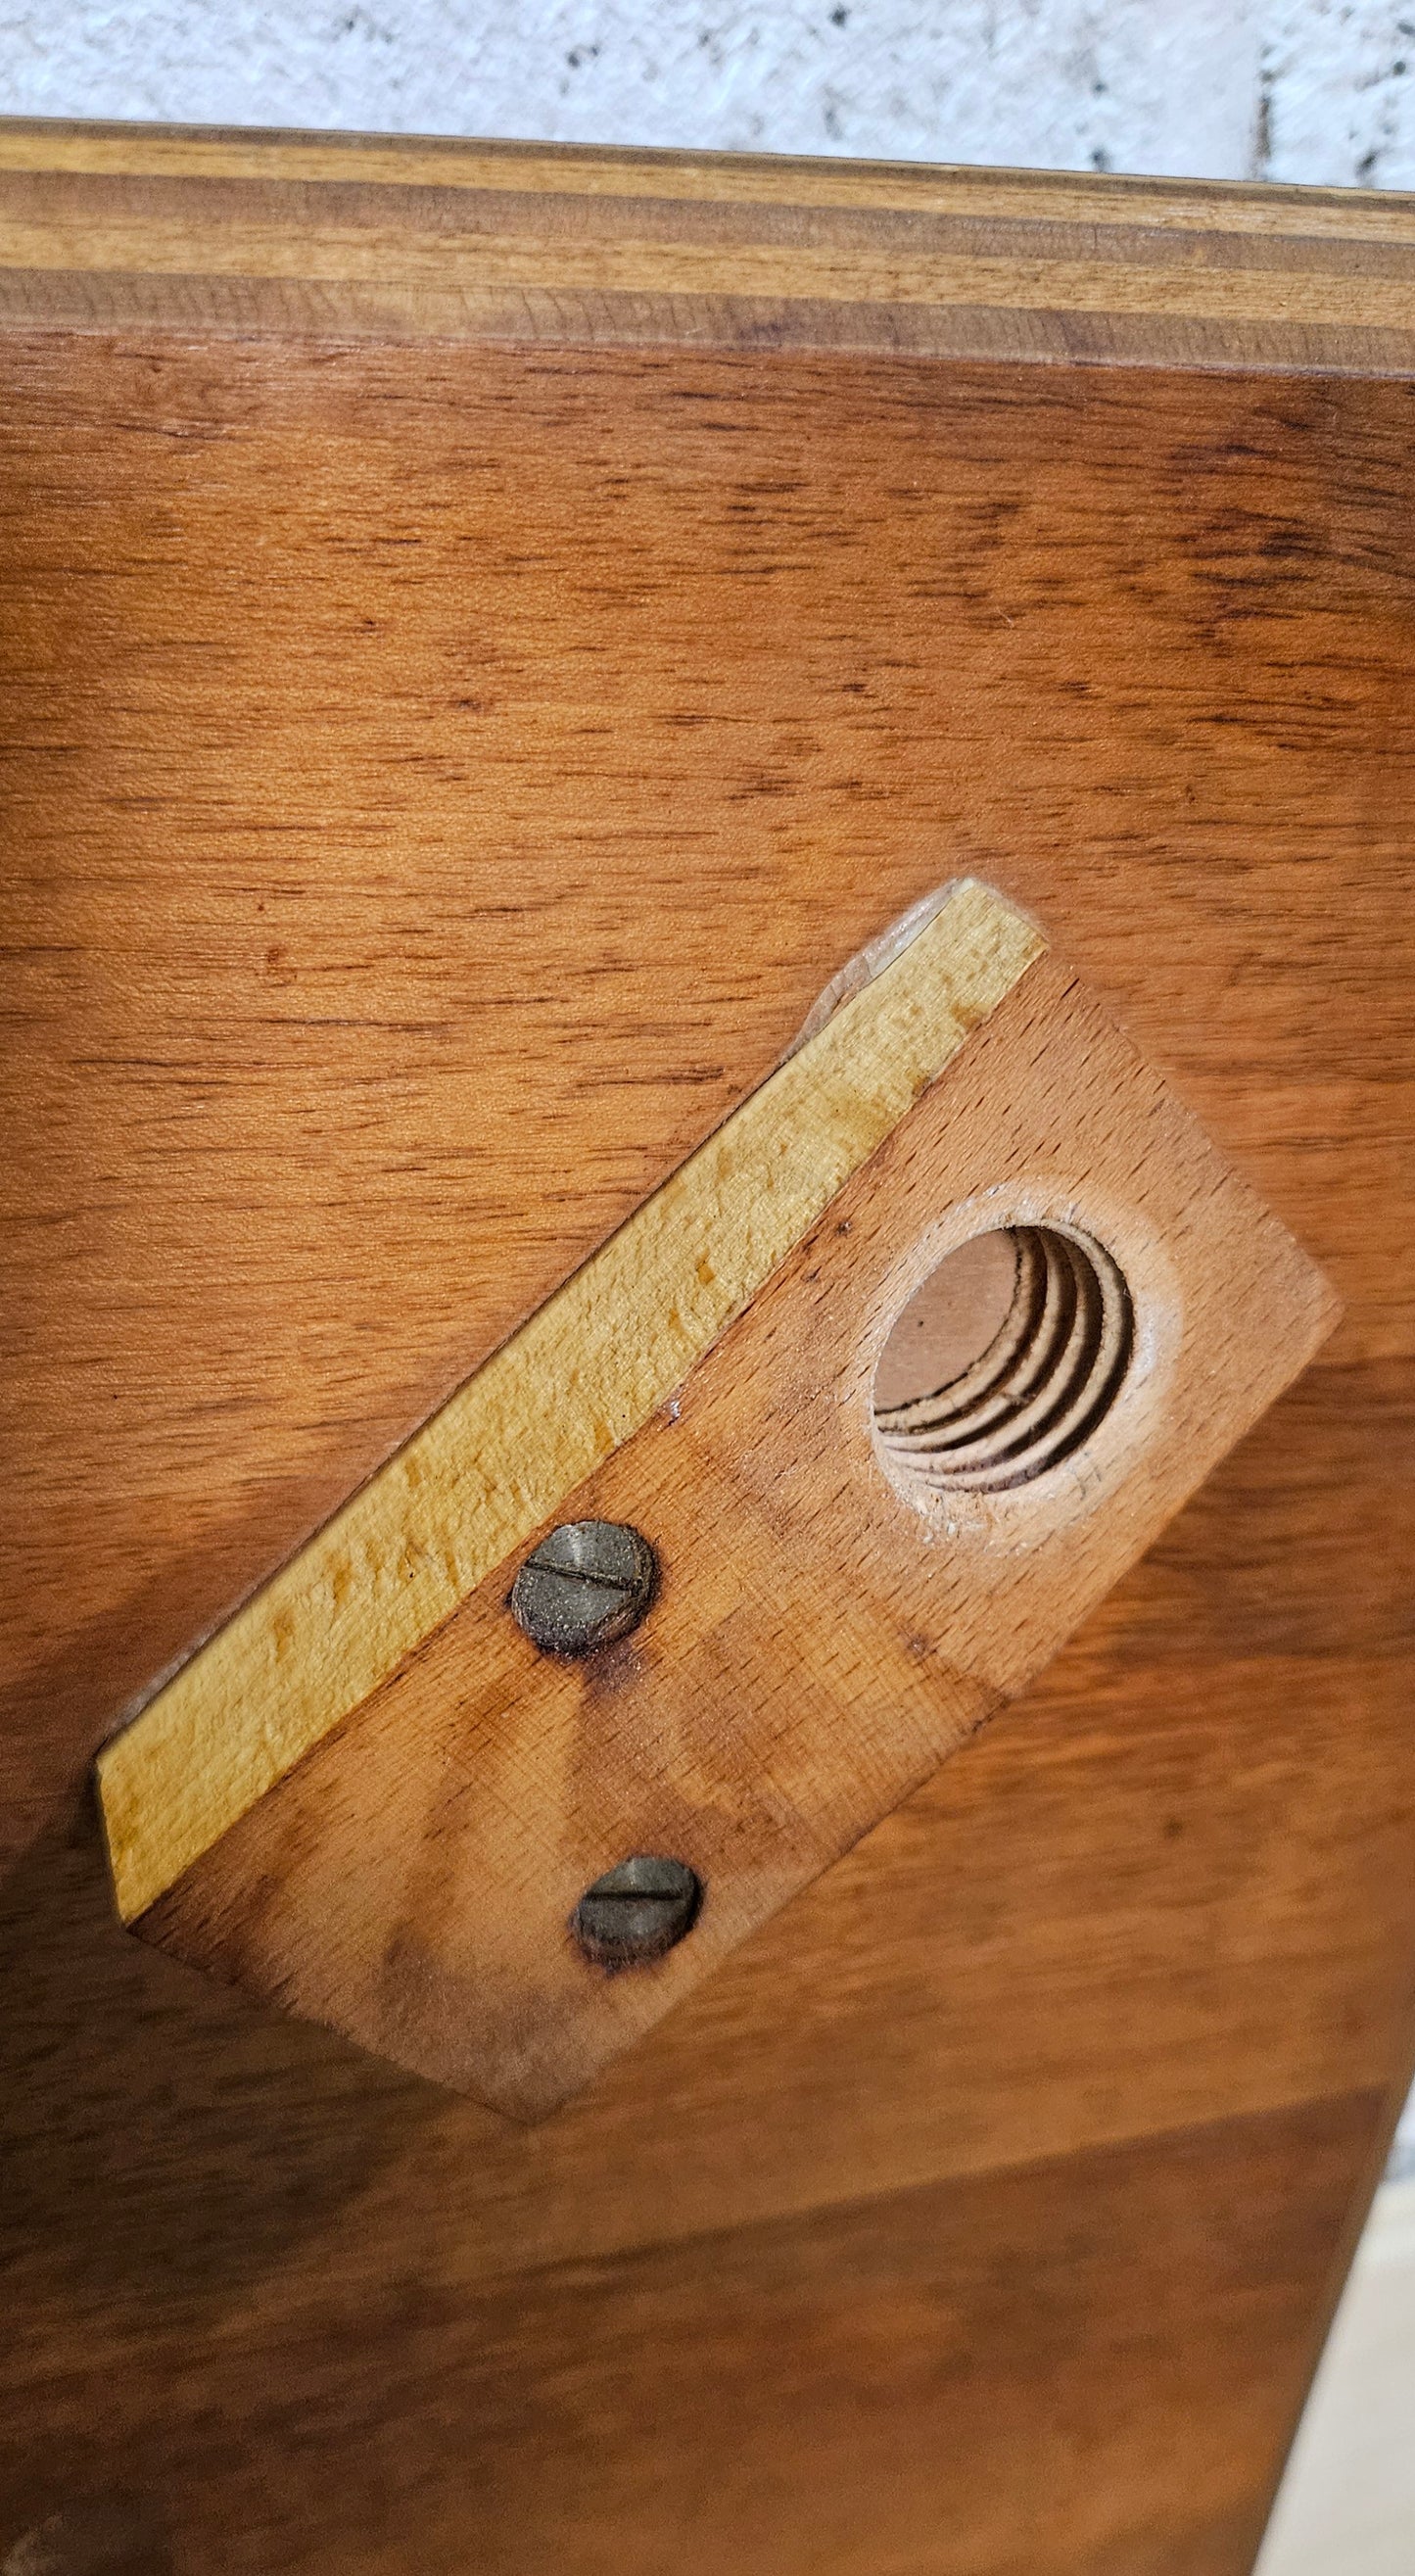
581, 1375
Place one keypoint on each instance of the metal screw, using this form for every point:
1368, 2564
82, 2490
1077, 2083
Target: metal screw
637, 1911
587, 1583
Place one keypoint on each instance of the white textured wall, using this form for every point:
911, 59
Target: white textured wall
1309, 89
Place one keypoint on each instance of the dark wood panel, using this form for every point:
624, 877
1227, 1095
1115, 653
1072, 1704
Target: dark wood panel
438, 780
1072, 2364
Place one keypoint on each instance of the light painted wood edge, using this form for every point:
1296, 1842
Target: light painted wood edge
584, 1373
97, 149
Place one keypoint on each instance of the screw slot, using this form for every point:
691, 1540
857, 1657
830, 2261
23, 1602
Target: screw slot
587, 1583
637, 1911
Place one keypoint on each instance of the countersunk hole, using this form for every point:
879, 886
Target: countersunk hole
1004, 1361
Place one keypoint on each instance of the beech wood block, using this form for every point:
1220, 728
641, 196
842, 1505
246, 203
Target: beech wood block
485, 632
829, 1625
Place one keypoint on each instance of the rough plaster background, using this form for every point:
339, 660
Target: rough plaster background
1282, 89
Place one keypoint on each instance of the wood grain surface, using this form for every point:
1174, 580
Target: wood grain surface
439, 778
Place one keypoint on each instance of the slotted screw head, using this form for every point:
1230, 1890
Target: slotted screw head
587, 1583
637, 1911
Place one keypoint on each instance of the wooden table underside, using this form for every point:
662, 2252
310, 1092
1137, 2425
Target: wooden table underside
444, 761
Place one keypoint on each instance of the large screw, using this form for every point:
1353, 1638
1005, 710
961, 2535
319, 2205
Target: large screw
637, 1911
587, 1583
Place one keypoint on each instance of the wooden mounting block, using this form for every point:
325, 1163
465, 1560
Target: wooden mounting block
375, 1800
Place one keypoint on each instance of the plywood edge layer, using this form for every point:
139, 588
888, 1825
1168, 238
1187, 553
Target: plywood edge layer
97, 148
584, 1373
200, 306
291, 236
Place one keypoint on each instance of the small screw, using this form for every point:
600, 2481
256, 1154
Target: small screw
587, 1583
637, 1911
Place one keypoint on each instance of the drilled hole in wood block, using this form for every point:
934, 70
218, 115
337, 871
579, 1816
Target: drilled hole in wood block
1004, 1361
370, 1799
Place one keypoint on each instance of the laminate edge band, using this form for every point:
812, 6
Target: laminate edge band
198, 305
